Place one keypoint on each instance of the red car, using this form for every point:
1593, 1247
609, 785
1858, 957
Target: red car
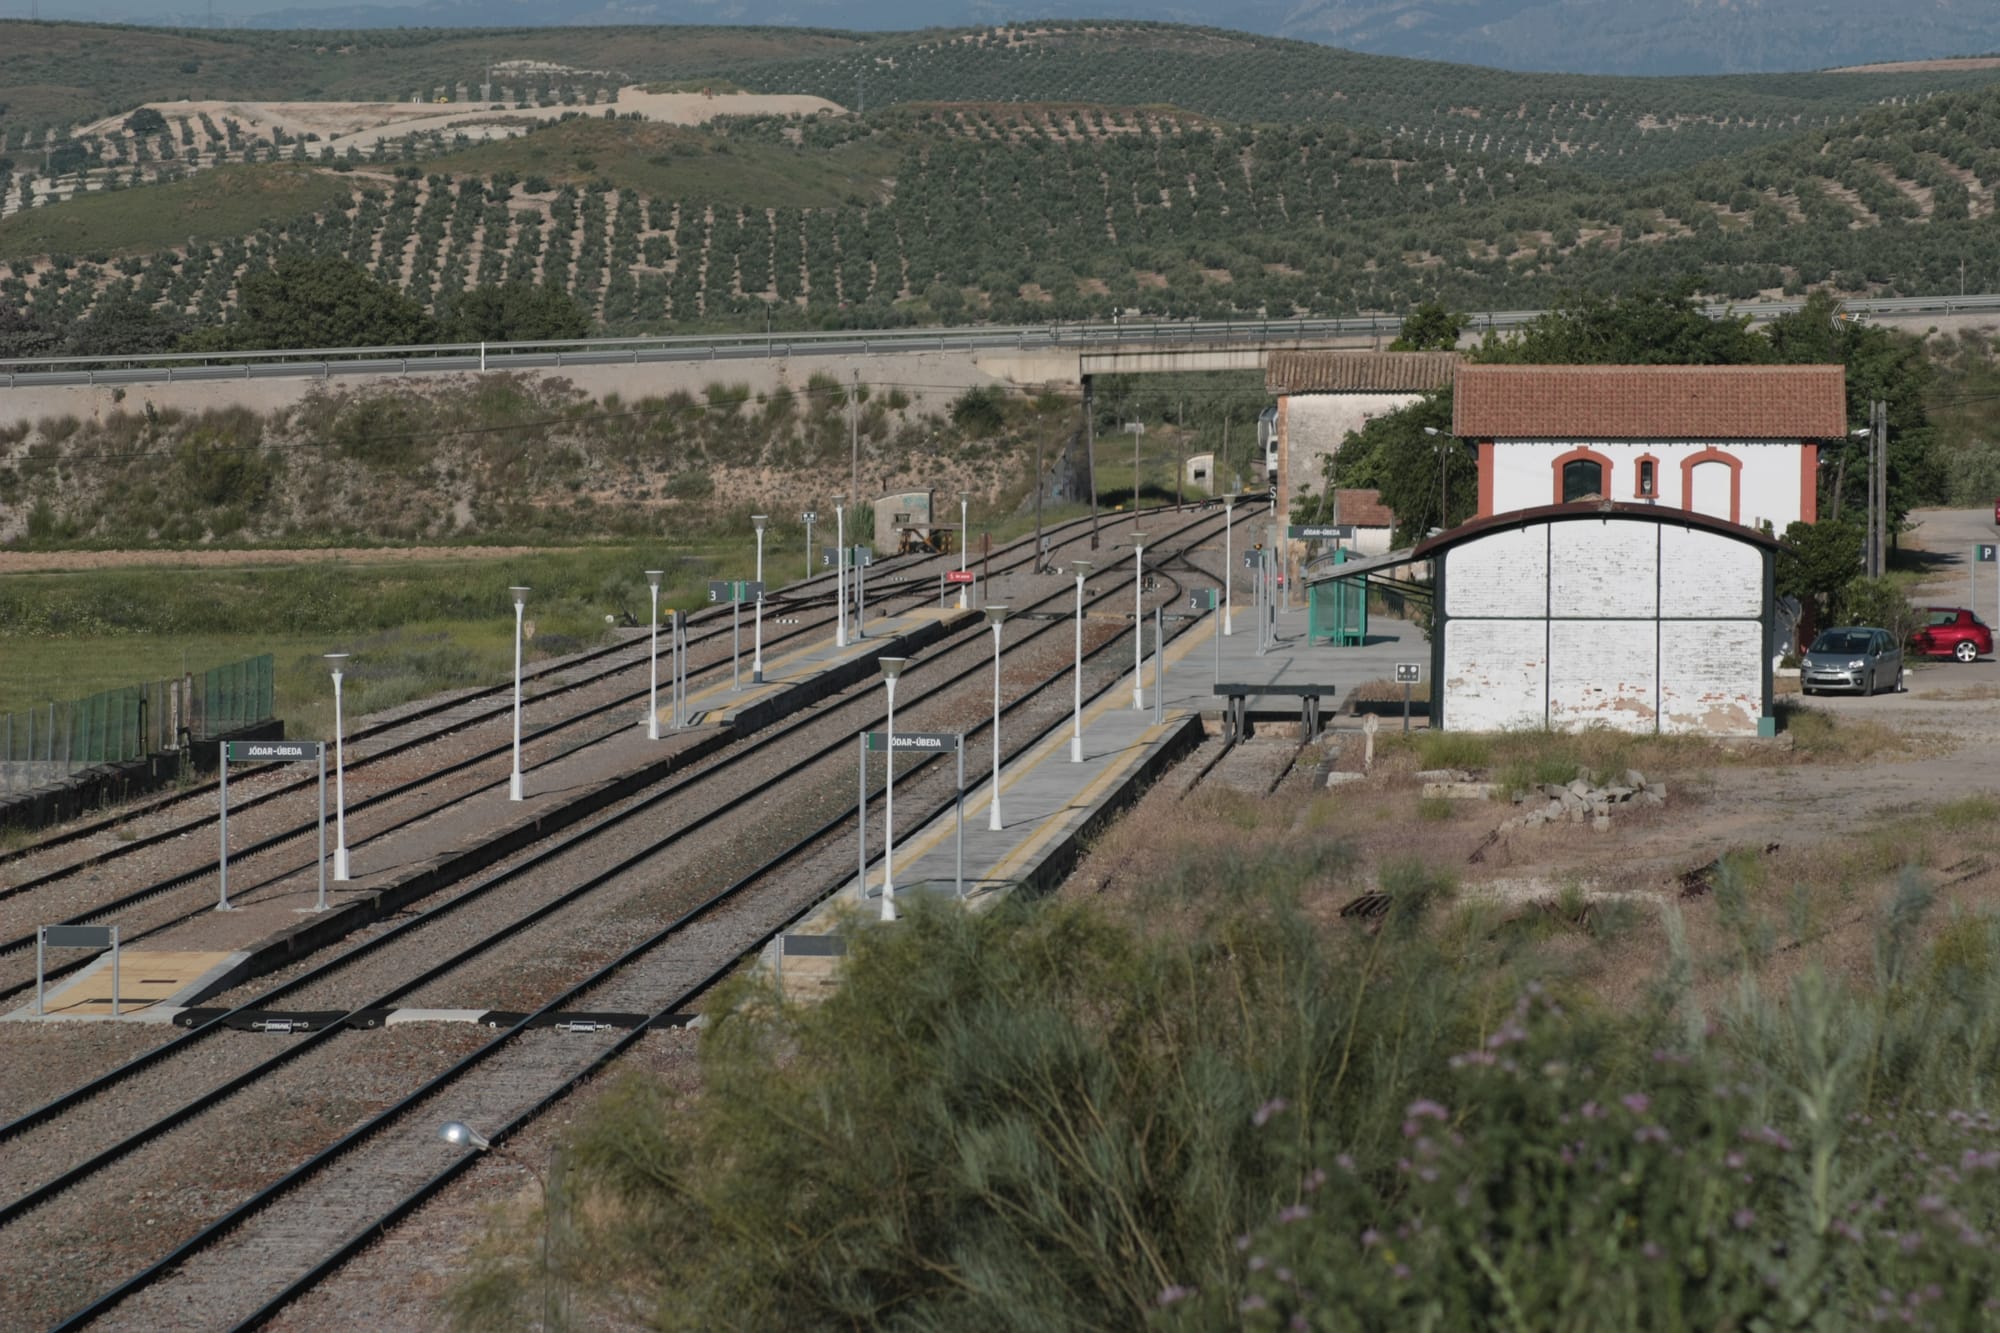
1952, 631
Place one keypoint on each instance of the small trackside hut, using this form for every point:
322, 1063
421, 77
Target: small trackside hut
1635, 617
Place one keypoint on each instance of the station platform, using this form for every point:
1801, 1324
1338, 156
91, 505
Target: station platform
565, 782
1290, 660
1049, 804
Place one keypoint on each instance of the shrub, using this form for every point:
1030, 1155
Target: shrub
980, 410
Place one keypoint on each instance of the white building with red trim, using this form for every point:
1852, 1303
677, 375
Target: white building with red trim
1739, 443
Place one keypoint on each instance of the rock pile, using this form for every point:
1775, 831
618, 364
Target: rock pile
1579, 801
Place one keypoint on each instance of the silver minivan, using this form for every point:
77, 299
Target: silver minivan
1853, 657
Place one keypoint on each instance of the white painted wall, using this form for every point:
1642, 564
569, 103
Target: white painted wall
1524, 475
1621, 623
1314, 424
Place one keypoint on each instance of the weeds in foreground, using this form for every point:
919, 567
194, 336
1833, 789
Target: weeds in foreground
1052, 1116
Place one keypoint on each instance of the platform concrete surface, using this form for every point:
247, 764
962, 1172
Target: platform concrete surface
1290, 660
275, 924
1048, 805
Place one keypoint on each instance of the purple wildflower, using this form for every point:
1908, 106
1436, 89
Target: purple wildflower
1744, 1219
1267, 1110
1250, 1303
1425, 1109
1174, 1295
1636, 1102
1370, 1238
1297, 1212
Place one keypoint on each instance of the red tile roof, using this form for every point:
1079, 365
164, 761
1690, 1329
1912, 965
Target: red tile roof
1358, 372
1364, 509
1650, 402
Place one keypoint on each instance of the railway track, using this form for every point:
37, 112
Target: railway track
187, 893
523, 1063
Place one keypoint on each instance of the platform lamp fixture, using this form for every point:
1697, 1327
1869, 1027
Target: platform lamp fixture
653, 660
1228, 559
996, 616
840, 569
461, 1135
1138, 620
963, 590
1082, 568
757, 643
339, 775
892, 667
514, 790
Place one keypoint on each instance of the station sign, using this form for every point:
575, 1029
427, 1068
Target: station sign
1314, 532
1986, 553
809, 516
273, 752
1409, 673
926, 742
735, 590
1203, 599
863, 555
959, 576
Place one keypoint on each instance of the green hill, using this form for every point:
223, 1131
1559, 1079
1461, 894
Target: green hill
942, 213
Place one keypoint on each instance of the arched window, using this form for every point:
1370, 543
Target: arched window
1582, 479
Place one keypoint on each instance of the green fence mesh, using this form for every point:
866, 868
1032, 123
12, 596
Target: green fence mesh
48, 742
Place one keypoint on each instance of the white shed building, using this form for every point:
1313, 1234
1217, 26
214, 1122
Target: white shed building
1635, 617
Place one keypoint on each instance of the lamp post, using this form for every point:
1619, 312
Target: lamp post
514, 792
339, 776
461, 1135
1444, 510
891, 668
995, 616
653, 660
1082, 568
757, 643
840, 569
1228, 560
963, 590
1138, 620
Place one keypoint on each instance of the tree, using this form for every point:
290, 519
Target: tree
122, 324
1652, 326
512, 312
22, 335
146, 121
1431, 327
323, 301
1816, 562
1428, 481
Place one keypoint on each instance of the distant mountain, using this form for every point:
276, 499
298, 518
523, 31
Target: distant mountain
1576, 36
1653, 36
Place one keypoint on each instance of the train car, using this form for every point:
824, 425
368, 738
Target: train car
903, 524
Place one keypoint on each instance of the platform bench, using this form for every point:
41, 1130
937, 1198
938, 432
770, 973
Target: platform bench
1237, 698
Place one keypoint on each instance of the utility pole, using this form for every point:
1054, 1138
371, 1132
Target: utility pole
1041, 484
854, 440
1881, 480
1090, 452
1180, 477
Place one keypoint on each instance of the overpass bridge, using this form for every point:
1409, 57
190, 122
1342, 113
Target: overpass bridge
928, 364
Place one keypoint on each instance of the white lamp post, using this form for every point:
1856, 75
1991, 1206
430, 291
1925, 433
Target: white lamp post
995, 616
1138, 620
461, 1135
964, 590
757, 644
840, 568
1228, 559
1082, 568
339, 776
653, 661
891, 668
514, 791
